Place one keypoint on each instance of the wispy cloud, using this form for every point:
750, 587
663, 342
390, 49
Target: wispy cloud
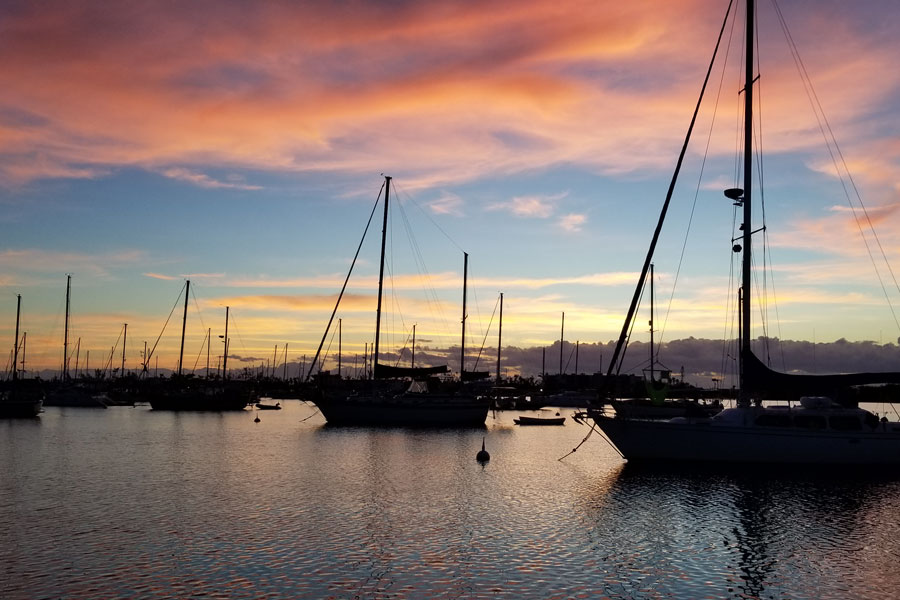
161, 276
49, 261
205, 181
447, 204
204, 276
571, 222
535, 207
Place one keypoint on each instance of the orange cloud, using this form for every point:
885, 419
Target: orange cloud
465, 90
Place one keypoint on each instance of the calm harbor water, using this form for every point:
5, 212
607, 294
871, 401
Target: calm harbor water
128, 502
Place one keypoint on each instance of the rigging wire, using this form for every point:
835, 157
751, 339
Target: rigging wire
197, 307
431, 296
439, 228
327, 350
200, 352
639, 288
712, 123
171, 312
484, 339
837, 157
344, 287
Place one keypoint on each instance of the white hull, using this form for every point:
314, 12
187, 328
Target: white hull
705, 440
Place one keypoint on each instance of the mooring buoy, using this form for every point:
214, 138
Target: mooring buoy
483, 456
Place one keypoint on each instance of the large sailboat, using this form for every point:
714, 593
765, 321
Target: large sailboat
401, 396
827, 427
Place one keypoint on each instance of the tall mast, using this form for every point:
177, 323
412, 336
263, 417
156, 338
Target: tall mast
340, 336
462, 346
652, 355
577, 344
187, 293
124, 341
387, 197
66, 334
412, 360
208, 343
562, 336
543, 362
225, 356
747, 197
499, 338
15, 373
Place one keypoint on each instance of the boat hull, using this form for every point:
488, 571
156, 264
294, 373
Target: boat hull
701, 441
644, 409
540, 421
75, 397
202, 399
196, 404
405, 411
20, 408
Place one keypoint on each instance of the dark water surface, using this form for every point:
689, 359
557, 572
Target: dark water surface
127, 502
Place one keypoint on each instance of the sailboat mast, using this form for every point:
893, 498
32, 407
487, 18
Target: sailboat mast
747, 197
412, 360
15, 373
66, 334
652, 355
208, 343
499, 338
225, 355
387, 197
187, 290
124, 341
562, 336
462, 346
340, 336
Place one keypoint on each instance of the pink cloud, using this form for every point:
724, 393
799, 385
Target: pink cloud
465, 89
529, 206
571, 222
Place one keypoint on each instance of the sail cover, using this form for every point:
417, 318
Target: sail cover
759, 378
384, 371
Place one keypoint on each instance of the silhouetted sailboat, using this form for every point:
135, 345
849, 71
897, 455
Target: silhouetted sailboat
819, 431
656, 384
67, 392
187, 393
17, 400
404, 396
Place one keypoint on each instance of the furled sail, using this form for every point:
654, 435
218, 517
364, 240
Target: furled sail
760, 379
385, 371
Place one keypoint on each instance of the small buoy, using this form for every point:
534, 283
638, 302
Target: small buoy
483, 456
256, 420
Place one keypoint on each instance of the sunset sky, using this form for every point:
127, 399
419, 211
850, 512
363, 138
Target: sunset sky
241, 145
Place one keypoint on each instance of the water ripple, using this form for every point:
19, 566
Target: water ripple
133, 503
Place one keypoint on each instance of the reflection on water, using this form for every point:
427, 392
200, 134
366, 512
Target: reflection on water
135, 503
753, 533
